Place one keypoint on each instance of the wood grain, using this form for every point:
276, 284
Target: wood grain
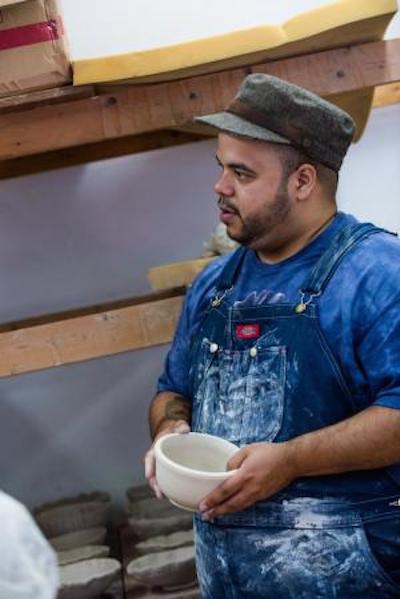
63, 339
138, 109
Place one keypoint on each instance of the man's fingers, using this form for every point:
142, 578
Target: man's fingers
149, 464
228, 488
237, 459
182, 428
154, 486
235, 503
149, 468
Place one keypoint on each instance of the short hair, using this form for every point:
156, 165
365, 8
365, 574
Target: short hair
291, 158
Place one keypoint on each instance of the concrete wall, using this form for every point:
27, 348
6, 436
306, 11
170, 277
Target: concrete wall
87, 234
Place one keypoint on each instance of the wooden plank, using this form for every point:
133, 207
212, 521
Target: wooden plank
341, 70
386, 95
154, 296
176, 273
43, 343
45, 97
123, 146
143, 108
110, 148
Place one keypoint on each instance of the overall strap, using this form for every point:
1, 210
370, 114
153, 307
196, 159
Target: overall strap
341, 244
231, 269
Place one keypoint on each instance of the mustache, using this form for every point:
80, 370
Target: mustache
224, 202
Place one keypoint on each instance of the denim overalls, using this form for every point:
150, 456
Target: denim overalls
266, 373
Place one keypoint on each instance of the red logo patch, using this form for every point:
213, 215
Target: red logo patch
247, 331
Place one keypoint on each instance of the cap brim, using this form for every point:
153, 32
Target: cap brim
236, 125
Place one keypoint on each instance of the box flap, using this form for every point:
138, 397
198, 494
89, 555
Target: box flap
9, 2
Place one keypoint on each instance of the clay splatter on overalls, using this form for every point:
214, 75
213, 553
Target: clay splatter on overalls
266, 373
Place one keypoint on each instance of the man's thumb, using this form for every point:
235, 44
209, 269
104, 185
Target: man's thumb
237, 459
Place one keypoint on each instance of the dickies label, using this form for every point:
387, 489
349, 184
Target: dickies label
247, 331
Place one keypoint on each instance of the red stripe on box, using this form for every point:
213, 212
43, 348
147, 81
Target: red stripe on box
26, 35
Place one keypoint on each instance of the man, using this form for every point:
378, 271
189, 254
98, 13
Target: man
290, 347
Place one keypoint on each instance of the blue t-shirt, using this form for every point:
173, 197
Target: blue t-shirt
359, 311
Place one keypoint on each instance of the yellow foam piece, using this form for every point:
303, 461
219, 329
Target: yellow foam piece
331, 25
341, 23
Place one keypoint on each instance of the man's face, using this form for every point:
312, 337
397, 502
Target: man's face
253, 198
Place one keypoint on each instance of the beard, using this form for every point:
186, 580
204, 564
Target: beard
257, 228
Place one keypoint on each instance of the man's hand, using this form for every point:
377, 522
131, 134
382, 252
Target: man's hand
263, 470
367, 440
149, 459
169, 413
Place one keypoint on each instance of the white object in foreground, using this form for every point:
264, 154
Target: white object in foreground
190, 466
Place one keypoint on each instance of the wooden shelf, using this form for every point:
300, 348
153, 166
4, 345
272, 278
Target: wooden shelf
69, 126
93, 332
76, 125
176, 274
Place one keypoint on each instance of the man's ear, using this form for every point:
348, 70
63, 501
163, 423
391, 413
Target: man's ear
304, 181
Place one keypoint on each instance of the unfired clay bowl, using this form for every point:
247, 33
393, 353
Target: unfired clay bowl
190, 466
71, 556
69, 518
167, 569
79, 538
87, 579
182, 538
151, 508
146, 528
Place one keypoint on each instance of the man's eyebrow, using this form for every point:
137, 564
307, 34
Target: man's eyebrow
237, 166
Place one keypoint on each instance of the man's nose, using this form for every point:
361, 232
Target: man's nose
224, 186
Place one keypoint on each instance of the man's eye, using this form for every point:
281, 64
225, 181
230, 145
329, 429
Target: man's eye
242, 175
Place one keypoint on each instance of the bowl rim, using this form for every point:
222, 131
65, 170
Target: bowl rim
185, 469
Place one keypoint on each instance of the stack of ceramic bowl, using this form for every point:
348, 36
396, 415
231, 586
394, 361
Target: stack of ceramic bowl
188, 468
149, 516
76, 527
159, 552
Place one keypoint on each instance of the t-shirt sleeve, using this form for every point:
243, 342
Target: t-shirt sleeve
380, 356
177, 364
176, 369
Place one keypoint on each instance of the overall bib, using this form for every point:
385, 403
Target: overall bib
266, 373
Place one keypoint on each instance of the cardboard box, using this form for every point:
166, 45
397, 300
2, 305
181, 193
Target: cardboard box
33, 48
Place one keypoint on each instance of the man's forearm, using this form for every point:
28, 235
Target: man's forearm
368, 440
168, 407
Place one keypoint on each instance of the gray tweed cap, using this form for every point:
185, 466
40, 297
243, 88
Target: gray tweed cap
270, 109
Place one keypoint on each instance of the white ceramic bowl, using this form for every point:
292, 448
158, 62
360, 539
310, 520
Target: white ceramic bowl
189, 466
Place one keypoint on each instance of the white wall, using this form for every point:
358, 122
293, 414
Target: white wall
87, 234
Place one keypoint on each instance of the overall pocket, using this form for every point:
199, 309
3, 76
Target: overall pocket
265, 395
381, 543
240, 394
